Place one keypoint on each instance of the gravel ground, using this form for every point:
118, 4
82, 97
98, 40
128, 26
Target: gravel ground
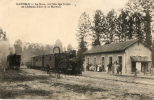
36, 84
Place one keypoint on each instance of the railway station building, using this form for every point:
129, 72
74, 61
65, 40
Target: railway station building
131, 55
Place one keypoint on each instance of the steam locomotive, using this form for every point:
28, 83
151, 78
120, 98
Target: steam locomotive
66, 62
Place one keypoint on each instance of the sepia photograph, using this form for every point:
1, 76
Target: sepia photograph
77, 49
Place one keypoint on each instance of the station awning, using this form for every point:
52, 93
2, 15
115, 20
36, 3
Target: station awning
140, 59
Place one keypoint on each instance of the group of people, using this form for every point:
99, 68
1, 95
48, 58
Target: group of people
114, 68
98, 68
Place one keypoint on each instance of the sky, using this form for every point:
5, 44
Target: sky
46, 25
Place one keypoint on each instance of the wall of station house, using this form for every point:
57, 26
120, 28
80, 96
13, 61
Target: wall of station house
137, 49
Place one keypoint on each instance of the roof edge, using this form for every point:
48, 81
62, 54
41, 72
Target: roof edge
119, 51
137, 40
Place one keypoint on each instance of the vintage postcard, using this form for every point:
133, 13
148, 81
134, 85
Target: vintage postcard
77, 49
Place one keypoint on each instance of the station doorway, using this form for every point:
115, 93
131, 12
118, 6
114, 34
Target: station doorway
140, 64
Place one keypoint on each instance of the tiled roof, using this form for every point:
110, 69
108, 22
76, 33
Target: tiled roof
114, 47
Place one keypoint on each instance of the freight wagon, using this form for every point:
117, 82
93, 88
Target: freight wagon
13, 61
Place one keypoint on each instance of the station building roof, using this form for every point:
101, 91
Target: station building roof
113, 47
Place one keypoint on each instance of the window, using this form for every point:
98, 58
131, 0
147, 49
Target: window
110, 60
87, 64
120, 60
103, 59
94, 61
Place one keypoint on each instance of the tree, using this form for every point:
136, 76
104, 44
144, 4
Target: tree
153, 53
64, 48
138, 29
83, 29
147, 23
130, 26
124, 25
2, 34
111, 25
69, 47
98, 27
147, 9
27, 52
48, 49
142, 13
4, 52
18, 46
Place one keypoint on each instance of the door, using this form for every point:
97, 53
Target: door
87, 66
110, 60
133, 66
103, 63
120, 63
120, 60
144, 67
110, 67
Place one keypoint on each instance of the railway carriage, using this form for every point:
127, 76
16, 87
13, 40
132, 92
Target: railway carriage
65, 62
49, 61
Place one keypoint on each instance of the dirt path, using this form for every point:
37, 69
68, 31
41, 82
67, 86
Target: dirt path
35, 84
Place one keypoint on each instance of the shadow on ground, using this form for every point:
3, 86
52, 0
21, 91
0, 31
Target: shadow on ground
19, 76
12, 94
80, 88
131, 96
141, 77
92, 90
